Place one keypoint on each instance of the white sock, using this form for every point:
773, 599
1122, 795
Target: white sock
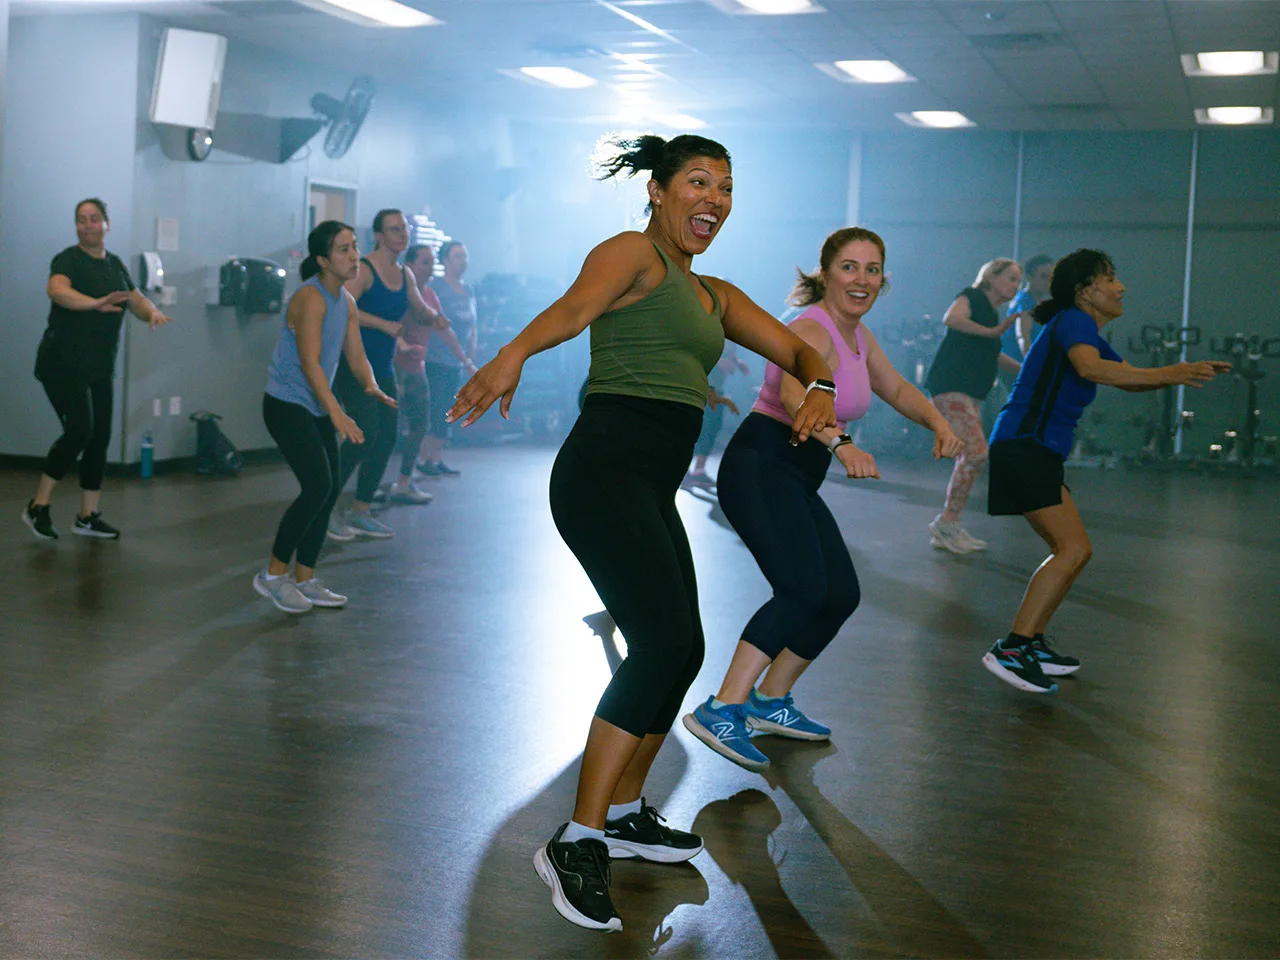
576, 831
619, 810
273, 576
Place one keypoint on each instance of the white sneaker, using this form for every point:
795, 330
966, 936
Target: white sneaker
339, 530
946, 536
409, 494
319, 594
281, 591
970, 541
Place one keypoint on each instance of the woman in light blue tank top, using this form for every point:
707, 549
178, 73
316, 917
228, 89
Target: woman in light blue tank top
304, 418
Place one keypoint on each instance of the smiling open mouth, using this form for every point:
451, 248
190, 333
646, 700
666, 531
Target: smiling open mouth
704, 225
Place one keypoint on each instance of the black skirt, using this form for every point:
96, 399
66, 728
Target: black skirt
1023, 476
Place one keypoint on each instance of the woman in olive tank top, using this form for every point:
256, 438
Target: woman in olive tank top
657, 329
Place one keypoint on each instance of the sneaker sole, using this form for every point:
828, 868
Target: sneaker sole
32, 527
276, 603
368, 535
1058, 670
412, 501
706, 736
339, 537
992, 664
778, 730
626, 849
94, 534
542, 864
328, 604
939, 543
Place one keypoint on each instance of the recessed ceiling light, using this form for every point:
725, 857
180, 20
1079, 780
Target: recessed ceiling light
375, 13
680, 121
1235, 116
564, 77
935, 118
768, 7
1230, 63
867, 71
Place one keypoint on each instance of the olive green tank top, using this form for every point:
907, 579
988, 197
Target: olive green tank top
661, 347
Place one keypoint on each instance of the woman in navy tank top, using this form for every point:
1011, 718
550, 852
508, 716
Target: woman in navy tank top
768, 490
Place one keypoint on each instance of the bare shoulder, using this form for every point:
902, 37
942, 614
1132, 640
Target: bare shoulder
813, 333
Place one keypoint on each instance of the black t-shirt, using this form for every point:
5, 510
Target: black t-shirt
85, 341
966, 363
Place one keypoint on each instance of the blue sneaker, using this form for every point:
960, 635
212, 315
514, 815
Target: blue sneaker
725, 731
367, 528
781, 716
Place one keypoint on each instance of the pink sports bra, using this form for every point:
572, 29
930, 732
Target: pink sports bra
853, 386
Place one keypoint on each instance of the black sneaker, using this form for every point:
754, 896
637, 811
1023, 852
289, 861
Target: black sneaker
94, 526
427, 468
643, 835
444, 470
1019, 667
1052, 663
578, 875
37, 518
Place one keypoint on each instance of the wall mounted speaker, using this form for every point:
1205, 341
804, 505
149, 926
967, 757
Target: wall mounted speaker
188, 81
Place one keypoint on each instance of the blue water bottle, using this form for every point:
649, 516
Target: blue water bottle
148, 450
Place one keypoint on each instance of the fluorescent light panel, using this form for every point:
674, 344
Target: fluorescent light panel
767, 7
375, 13
939, 119
873, 71
1235, 116
564, 77
1231, 63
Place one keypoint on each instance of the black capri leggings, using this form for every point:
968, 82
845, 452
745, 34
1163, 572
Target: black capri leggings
310, 447
84, 407
768, 491
415, 402
613, 491
443, 384
376, 421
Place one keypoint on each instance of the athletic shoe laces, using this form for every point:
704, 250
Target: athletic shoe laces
590, 860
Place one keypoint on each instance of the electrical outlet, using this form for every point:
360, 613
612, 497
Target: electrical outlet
175, 406
155, 407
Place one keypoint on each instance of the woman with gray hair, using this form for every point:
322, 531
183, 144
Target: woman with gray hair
962, 374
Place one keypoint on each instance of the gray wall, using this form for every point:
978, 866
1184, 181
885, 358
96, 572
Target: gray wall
68, 134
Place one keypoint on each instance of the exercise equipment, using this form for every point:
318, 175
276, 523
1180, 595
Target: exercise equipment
1246, 354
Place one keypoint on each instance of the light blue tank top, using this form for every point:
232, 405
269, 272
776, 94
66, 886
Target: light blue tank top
285, 379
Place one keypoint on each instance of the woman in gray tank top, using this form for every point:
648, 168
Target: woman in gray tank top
304, 418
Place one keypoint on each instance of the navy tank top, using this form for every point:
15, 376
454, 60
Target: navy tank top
381, 301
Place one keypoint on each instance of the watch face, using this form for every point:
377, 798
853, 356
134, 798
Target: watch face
199, 143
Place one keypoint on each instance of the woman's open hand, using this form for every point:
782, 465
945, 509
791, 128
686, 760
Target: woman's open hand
347, 428
496, 379
113, 302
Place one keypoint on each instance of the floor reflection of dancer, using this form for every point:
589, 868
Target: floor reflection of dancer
89, 289
962, 374
768, 491
304, 418
657, 329
1033, 437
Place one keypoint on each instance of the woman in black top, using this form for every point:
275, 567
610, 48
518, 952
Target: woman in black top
90, 289
962, 375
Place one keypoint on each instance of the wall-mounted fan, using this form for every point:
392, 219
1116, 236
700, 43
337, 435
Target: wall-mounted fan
344, 117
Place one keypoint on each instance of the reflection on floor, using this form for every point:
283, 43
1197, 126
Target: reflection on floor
186, 771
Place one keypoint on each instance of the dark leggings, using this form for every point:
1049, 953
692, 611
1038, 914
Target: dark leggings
377, 422
443, 381
768, 490
84, 407
310, 447
613, 491
415, 401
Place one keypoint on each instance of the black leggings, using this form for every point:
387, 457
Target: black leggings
310, 447
768, 490
84, 407
377, 422
613, 491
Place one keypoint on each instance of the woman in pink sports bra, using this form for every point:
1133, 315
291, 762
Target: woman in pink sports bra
769, 493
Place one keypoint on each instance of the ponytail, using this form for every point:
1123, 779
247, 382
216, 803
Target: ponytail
309, 268
1072, 274
810, 288
662, 158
